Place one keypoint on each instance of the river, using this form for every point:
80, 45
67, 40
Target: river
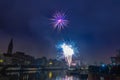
40, 75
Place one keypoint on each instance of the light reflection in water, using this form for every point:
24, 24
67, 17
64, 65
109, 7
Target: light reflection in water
68, 78
50, 75
42, 75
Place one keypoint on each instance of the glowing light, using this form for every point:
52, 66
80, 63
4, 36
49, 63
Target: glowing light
50, 63
50, 75
59, 20
103, 65
68, 52
1, 60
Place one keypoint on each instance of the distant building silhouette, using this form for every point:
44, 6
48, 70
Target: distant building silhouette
22, 58
116, 59
10, 47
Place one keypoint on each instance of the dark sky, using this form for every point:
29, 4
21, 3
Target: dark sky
94, 25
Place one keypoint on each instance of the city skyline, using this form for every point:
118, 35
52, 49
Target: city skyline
93, 26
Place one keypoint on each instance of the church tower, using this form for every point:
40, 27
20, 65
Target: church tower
10, 47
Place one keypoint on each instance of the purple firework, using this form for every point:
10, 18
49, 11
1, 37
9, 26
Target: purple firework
59, 20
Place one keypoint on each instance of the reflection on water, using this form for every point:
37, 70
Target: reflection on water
39, 75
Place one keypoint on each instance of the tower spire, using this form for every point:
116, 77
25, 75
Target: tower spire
10, 47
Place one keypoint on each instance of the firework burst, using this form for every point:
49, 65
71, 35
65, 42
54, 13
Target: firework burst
67, 52
59, 20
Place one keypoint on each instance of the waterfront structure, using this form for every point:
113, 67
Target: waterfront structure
56, 63
40, 61
105, 72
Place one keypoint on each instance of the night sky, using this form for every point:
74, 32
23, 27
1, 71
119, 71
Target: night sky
94, 26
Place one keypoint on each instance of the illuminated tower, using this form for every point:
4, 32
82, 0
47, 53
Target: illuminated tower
10, 47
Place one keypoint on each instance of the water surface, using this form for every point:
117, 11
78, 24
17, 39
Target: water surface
40, 75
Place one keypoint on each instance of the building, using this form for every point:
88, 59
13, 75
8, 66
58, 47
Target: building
10, 47
11, 58
41, 61
5, 59
22, 59
116, 60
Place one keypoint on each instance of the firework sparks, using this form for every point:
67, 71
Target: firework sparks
59, 20
68, 52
